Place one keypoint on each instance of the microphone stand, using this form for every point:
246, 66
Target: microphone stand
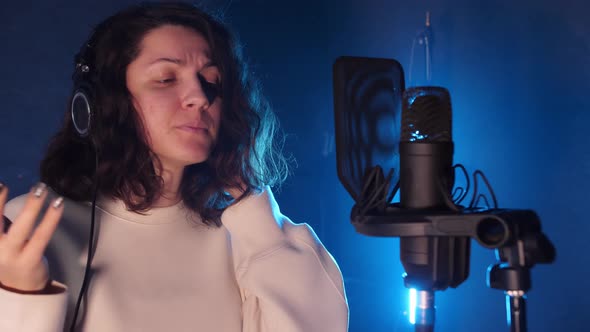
512, 272
434, 243
514, 234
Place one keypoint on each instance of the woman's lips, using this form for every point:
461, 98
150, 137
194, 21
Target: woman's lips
193, 129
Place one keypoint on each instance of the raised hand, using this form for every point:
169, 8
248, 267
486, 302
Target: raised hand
23, 267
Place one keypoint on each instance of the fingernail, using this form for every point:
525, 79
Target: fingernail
39, 189
58, 202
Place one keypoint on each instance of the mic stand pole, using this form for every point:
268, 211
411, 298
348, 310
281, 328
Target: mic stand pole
507, 278
425, 311
512, 274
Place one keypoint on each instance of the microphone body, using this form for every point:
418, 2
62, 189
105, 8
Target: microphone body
426, 182
426, 149
426, 174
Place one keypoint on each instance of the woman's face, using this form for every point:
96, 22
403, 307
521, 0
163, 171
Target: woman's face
175, 89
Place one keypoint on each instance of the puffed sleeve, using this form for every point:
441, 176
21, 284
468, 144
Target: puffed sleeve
31, 313
287, 278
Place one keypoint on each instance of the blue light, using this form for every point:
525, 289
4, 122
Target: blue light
417, 136
412, 308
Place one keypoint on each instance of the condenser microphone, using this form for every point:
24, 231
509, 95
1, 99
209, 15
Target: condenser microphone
435, 232
426, 181
426, 149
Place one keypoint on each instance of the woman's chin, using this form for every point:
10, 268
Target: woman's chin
195, 158
184, 158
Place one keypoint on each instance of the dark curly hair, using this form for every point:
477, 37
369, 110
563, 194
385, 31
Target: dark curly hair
247, 154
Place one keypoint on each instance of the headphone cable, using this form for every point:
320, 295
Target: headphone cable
86, 280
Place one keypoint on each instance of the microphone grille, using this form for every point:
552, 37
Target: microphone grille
426, 115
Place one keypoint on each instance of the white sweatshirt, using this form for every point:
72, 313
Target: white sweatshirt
162, 272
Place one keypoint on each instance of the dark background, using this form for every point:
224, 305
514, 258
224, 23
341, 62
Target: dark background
518, 73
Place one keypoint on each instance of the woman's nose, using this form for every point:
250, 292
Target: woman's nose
194, 96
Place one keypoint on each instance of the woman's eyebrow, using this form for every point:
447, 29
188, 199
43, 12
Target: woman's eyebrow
211, 64
170, 60
176, 61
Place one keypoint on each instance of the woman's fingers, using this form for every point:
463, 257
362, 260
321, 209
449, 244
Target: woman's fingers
42, 235
21, 249
3, 196
23, 225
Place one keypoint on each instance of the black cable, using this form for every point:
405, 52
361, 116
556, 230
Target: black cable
491, 190
393, 192
377, 184
384, 188
86, 280
475, 197
446, 196
467, 187
484, 198
373, 180
454, 194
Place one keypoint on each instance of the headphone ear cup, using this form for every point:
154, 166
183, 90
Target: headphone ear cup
82, 111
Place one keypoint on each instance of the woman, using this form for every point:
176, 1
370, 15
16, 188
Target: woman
178, 148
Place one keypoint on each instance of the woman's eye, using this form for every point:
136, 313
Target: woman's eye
166, 80
211, 90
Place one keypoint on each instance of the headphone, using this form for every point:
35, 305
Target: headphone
82, 112
81, 107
